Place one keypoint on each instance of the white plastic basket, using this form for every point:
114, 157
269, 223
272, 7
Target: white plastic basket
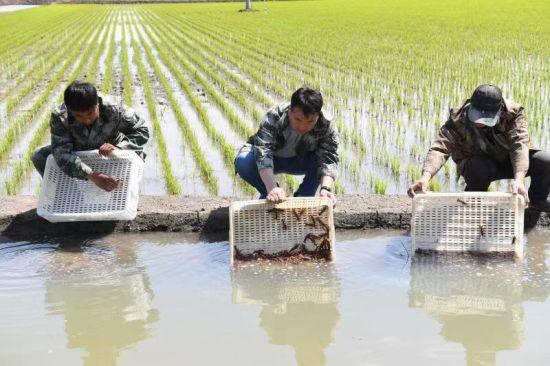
469, 221
254, 225
64, 199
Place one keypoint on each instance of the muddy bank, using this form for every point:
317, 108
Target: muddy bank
210, 215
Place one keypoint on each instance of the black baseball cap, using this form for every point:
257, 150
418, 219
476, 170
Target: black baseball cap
486, 105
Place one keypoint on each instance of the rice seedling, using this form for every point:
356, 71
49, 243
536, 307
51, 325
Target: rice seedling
16, 128
194, 145
388, 98
126, 76
172, 185
227, 150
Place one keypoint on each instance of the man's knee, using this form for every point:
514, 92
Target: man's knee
245, 162
39, 158
477, 172
540, 161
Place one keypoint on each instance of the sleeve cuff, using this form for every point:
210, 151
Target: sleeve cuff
84, 171
329, 171
266, 163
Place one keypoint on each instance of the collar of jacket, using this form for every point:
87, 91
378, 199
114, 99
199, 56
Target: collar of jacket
461, 114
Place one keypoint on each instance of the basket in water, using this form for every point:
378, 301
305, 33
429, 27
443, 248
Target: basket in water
63, 198
300, 225
469, 221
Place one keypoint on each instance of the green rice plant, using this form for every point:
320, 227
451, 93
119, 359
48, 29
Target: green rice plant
198, 155
447, 169
434, 186
32, 26
16, 128
249, 63
39, 72
378, 186
126, 76
395, 165
226, 149
107, 83
413, 172
356, 139
279, 56
259, 76
23, 166
239, 125
249, 89
92, 73
172, 185
47, 56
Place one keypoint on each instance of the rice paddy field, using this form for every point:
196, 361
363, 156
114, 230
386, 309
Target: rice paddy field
203, 75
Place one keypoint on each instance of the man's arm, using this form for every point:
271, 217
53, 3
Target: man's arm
264, 141
62, 150
133, 133
437, 155
264, 144
327, 155
439, 152
518, 139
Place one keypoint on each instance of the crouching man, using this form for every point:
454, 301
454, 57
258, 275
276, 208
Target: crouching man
293, 139
87, 121
488, 139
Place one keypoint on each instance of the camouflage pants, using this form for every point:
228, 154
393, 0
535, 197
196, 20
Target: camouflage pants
39, 158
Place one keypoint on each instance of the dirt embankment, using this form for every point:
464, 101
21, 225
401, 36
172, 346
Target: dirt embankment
210, 215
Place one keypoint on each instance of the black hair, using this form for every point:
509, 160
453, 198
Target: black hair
309, 100
80, 96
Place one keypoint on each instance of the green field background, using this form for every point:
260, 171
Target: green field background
389, 71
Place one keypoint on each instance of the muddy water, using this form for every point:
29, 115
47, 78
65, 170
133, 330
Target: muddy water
172, 299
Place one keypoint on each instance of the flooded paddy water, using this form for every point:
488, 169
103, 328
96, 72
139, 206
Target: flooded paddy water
170, 299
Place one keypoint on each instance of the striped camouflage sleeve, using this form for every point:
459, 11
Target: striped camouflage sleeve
517, 135
133, 133
62, 150
264, 141
440, 151
327, 152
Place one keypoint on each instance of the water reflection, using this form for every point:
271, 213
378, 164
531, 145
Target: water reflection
479, 299
104, 296
299, 305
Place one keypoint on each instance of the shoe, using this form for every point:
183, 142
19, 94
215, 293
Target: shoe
543, 206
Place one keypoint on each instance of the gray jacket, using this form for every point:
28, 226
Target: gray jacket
117, 125
323, 140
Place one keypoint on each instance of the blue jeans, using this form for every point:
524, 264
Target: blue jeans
246, 168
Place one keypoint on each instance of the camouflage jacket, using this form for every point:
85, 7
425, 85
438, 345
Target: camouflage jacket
323, 140
460, 139
117, 125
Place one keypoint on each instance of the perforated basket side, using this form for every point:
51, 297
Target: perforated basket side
253, 227
69, 199
470, 221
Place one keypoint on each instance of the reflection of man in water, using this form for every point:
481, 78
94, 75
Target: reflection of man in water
299, 306
308, 327
477, 299
105, 298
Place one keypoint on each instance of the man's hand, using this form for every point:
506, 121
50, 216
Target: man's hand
327, 194
420, 186
104, 181
277, 194
518, 187
106, 149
